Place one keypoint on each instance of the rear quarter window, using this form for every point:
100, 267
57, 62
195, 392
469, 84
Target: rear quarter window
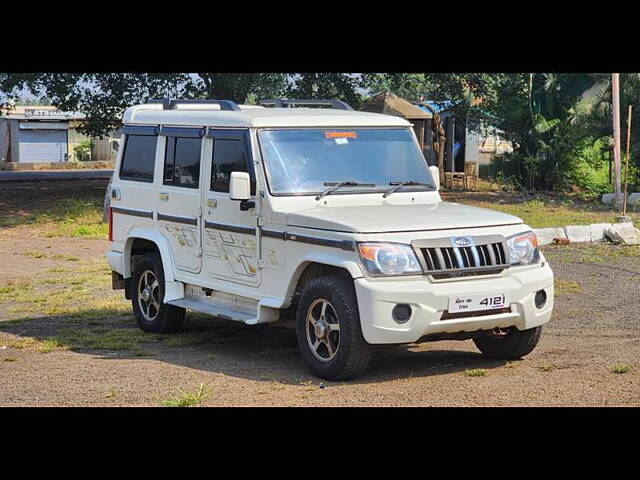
138, 158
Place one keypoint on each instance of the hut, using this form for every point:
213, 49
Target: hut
390, 104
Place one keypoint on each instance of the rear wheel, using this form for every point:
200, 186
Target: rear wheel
328, 329
147, 292
509, 343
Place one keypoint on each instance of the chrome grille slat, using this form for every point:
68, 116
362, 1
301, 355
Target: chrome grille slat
484, 256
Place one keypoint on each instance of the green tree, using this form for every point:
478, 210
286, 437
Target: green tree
538, 113
597, 122
341, 86
103, 97
410, 86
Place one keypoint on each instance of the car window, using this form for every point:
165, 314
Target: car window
304, 161
182, 162
228, 156
138, 158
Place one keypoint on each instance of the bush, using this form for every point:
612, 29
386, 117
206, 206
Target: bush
83, 151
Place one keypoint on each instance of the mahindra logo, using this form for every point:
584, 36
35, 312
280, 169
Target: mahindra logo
461, 241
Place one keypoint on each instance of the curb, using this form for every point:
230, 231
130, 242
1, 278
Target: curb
595, 232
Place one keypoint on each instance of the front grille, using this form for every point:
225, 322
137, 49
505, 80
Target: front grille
441, 260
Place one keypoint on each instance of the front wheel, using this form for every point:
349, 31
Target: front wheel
147, 292
508, 344
328, 329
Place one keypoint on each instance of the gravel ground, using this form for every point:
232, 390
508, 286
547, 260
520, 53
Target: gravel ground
594, 328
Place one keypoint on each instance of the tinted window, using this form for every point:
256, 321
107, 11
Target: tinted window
182, 162
138, 158
228, 156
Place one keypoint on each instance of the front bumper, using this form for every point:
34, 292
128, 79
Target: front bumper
429, 300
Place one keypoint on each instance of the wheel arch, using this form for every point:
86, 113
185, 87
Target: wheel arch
144, 241
315, 266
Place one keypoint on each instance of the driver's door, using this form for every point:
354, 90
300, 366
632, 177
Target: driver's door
229, 234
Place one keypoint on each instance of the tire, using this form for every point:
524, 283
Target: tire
515, 344
351, 354
152, 314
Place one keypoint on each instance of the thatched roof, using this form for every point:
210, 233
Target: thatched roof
391, 104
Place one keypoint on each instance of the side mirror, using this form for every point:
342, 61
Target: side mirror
239, 186
435, 173
240, 189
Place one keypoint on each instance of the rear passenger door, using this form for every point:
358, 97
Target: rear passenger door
229, 236
133, 194
179, 211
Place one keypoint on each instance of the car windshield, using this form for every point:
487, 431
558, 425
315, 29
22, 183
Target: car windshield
303, 162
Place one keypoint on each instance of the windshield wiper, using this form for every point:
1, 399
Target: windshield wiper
399, 185
333, 186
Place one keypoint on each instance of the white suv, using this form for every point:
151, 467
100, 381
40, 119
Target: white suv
243, 212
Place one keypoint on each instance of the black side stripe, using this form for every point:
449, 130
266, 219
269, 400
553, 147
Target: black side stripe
130, 211
172, 218
325, 242
230, 228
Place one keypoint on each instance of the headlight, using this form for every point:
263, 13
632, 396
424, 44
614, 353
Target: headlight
523, 248
389, 259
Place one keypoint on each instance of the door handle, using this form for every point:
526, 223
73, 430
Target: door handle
164, 196
212, 203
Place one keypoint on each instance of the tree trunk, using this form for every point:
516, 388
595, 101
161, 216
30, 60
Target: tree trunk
439, 140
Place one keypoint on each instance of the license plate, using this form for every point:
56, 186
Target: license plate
477, 303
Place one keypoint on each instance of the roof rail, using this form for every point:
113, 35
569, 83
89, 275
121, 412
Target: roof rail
170, 103
284, 103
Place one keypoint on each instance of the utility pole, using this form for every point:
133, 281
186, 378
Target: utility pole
615, 91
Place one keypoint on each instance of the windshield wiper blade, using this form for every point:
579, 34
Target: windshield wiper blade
333, 186
399, 185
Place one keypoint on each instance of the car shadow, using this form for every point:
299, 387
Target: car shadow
260, 352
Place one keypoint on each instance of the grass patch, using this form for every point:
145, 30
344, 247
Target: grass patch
591, 253
541, 210
10, 359
24, 342
546, 368
566, 286
33, 253
55, 270
48, 346
103, 338
68, 258
620, 369
77, 216
184, 339
111, 393
13, 289
476, 372
42, 346
309, 386
184, 398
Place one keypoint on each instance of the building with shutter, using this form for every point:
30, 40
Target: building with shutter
45, 135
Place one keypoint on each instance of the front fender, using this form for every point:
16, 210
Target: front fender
323, 258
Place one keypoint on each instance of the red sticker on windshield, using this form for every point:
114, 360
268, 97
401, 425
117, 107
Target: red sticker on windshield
340, 134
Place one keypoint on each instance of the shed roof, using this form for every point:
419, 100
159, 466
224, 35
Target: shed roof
390, 104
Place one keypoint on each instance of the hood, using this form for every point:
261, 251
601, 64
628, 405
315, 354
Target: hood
398, 218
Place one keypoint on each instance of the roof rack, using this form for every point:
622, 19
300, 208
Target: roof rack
170, 103
284, 103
